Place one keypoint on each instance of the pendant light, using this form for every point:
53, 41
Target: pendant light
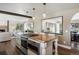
33, 14
44, 13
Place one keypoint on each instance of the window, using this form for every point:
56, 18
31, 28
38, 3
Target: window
53, 25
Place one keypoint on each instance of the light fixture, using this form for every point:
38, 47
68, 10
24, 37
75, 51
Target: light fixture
33, 14
44, 13
33, 17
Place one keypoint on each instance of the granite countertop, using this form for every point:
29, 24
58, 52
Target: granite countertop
39, 37
44, 38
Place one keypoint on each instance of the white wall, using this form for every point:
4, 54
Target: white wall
67, 16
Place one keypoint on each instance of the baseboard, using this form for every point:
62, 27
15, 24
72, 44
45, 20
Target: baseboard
64, 46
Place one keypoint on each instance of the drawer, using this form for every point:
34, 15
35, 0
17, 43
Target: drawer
34, 43
24, 44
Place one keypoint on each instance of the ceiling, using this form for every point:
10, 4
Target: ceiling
23, 7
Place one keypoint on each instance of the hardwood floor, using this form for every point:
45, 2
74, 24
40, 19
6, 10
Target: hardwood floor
63, 51
9, 48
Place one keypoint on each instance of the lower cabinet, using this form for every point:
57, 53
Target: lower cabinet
24, 44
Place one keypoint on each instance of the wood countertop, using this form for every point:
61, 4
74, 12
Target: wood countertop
43, 37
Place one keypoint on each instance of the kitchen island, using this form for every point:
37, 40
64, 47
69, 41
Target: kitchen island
44, 43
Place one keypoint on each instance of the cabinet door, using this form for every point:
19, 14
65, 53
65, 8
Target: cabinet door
24, 43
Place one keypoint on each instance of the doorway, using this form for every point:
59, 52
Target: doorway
74, 31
